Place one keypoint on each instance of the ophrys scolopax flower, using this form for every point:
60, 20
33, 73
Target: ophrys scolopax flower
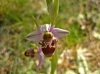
47, 37
31, 52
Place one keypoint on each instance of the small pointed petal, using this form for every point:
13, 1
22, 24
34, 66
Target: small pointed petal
35, 36
45, 27
57, 32
41, 58
51, 28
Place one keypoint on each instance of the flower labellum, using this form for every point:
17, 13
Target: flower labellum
32, 53
48, 44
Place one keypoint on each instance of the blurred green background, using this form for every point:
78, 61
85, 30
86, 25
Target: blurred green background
78, 52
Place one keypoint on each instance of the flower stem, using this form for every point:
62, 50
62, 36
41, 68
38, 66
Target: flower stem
54, 61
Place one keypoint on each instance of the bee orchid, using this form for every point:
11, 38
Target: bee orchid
32, 53
47, 37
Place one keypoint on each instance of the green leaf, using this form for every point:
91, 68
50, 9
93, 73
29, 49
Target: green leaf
56, 7
49, 7
53, 8
37, 24
54, 11
48, 2
54, 61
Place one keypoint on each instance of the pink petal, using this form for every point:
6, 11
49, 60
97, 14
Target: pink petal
41, 58
51, 28
35, 36
57, 32
45, 27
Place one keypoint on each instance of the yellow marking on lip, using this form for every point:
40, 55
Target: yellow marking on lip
48, 58
44, 46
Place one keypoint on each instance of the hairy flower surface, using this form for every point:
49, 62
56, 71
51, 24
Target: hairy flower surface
32, 53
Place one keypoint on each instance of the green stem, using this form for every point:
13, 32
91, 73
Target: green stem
54, 61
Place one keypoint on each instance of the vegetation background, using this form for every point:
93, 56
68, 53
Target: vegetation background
78, 52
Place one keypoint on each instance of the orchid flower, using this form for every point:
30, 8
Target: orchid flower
32, 53
47, 37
